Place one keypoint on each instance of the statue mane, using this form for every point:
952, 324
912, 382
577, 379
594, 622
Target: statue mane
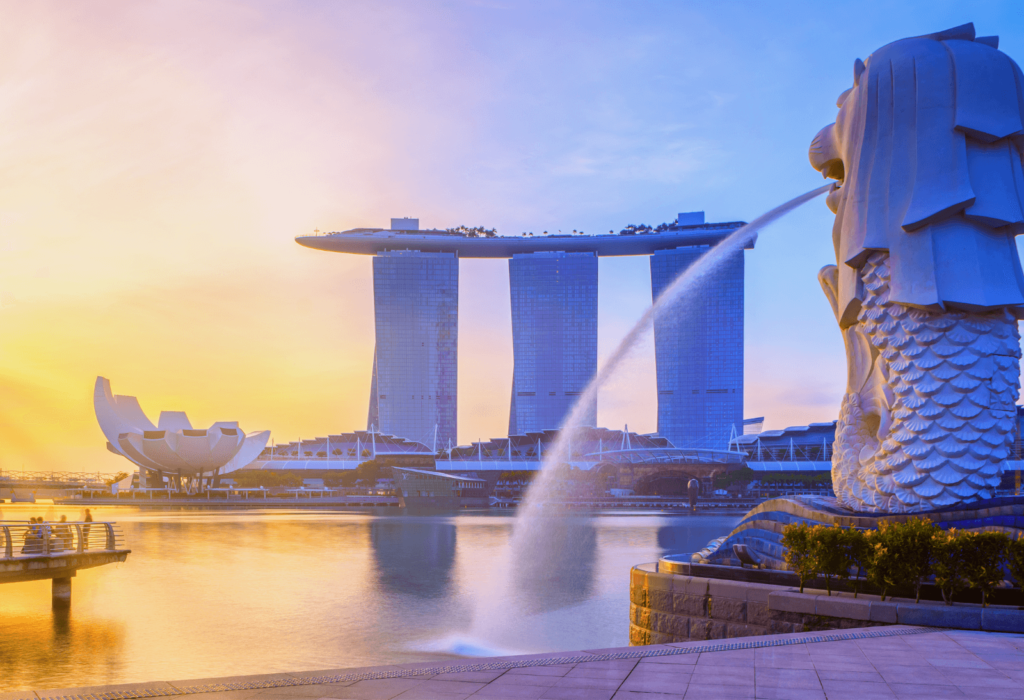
930, 136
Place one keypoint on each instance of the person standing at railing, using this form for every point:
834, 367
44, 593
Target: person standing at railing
86, 528
62, 534
45, 535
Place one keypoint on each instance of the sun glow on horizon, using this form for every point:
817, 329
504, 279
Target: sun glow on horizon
159, 158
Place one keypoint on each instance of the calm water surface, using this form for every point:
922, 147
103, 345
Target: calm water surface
208, 594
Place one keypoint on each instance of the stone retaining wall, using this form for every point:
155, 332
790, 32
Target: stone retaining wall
668, 608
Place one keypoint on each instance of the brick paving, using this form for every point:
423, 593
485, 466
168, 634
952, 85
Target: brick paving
891, 662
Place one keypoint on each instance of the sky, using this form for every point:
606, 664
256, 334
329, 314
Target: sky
157, 160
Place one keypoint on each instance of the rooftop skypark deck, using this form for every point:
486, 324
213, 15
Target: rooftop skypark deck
368, 241
553, 285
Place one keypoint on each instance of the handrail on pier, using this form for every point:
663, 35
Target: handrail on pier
58, 539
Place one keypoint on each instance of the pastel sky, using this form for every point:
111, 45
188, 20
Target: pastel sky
158, 158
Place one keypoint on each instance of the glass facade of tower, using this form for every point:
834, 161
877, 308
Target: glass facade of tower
554, 337
415, 368
699, 352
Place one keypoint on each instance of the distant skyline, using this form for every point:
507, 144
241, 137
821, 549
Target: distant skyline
159, 158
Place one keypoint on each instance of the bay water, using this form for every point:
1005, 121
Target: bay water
223, 593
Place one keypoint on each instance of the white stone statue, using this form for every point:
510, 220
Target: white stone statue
927, 154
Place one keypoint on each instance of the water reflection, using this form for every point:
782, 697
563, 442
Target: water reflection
39, 652
207, 594
61, 622
414, 557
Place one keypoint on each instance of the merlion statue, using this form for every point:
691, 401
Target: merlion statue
927, 155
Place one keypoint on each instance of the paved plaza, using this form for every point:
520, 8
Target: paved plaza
864, 664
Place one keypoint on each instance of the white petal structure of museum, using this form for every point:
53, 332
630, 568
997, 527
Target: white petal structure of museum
172, 446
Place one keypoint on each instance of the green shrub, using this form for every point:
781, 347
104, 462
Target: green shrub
796, 538
1015, 559
915, 536
251, 479
900, 554
984, 554
830, 549
948, 563
856, 544
120, 476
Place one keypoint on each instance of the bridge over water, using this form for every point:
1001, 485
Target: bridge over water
57, 551
14, 484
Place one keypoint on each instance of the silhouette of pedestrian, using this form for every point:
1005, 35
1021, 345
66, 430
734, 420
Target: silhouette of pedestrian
62, 533
86, 528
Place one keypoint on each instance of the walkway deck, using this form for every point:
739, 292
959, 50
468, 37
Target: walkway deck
858, 664
57, 551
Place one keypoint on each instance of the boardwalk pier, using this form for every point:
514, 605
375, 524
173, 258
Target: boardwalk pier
57, 551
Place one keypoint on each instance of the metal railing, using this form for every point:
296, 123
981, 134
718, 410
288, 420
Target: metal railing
24, 540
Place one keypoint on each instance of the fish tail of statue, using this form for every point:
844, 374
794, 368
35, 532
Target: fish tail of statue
929, 420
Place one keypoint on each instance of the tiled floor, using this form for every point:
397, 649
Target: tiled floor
905, 663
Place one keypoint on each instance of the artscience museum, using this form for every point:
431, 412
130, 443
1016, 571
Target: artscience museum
172, 448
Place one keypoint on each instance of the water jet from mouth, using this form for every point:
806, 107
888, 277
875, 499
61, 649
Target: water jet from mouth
544, 545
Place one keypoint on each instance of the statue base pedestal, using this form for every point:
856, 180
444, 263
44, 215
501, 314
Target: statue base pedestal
760, 531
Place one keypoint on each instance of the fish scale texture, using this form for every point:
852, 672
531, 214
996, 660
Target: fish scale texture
953, 380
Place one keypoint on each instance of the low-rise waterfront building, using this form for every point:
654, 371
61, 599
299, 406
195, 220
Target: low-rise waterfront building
339, 451
796, 448
422, 488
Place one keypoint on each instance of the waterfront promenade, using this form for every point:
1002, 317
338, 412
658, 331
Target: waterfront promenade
862, 664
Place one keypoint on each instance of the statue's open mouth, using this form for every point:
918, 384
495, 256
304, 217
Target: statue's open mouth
826, 159
834, 169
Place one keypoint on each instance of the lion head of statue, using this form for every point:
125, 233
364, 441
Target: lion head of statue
932, 129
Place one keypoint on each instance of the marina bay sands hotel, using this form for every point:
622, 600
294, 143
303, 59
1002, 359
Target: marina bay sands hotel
553, 279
